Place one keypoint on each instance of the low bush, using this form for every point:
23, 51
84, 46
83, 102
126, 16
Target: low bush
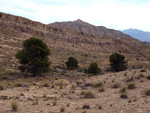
86, 106
123, 90
14, 106
101, 89
87, 94
1, 87
117, 85
97, 85
62, 109
148, 77
124, 96
131, 86
147, 92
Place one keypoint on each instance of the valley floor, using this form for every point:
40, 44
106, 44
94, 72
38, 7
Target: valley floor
78, 93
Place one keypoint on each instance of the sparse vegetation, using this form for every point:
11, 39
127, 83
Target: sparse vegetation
85, 106
118, 62
62, 109
123, 90
124, 96
142, 70
46, 84
35, 101
130, 79
101, 89
59, 83
54, 103
87, 94
131, 86
18, 84
147, 92
1, 86
99, 106
97, 85
59, 91
14, 105
148, 77
116, 85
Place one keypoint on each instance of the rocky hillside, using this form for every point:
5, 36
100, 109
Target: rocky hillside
85, 27
64, 43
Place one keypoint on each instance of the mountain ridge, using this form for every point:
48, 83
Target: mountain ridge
138, 34
81, 26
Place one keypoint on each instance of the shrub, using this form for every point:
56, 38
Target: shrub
123, 90
130, 79
117, 85
72, 63
34, 56
148, 77
14, 106
124, 96
18, 84
1, 87
94, 69
131, 86
85, 71
87, 94
97, 85
117, 62
101, 89
86, 106
62, 109
147, 92
59, 83
54, 103
46, 84
36, 101
142, 70
99, 106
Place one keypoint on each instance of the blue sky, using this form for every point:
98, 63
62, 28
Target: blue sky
115, 14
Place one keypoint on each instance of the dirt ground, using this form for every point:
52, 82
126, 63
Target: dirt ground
78, 93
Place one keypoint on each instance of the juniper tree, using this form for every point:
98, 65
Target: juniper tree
118, 62
34, 56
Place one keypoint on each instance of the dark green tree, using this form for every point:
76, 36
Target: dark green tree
94, 69
34, 56
118, 62
72, 63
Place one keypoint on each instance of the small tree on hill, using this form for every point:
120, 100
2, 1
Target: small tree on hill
34, 56
94, 69
72, 63
118, 62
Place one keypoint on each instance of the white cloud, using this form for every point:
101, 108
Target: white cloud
116, 14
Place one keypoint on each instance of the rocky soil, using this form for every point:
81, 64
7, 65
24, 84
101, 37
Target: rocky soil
73, 92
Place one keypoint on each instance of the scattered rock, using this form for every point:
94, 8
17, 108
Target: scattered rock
86, 107
4, 97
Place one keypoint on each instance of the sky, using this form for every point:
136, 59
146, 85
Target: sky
113, 14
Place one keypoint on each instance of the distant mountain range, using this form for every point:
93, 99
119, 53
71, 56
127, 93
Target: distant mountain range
138, 34
81, 26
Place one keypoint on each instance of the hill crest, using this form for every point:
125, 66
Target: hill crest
81, 26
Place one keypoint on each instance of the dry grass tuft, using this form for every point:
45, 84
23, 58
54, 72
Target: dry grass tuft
14, 106
87, 94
